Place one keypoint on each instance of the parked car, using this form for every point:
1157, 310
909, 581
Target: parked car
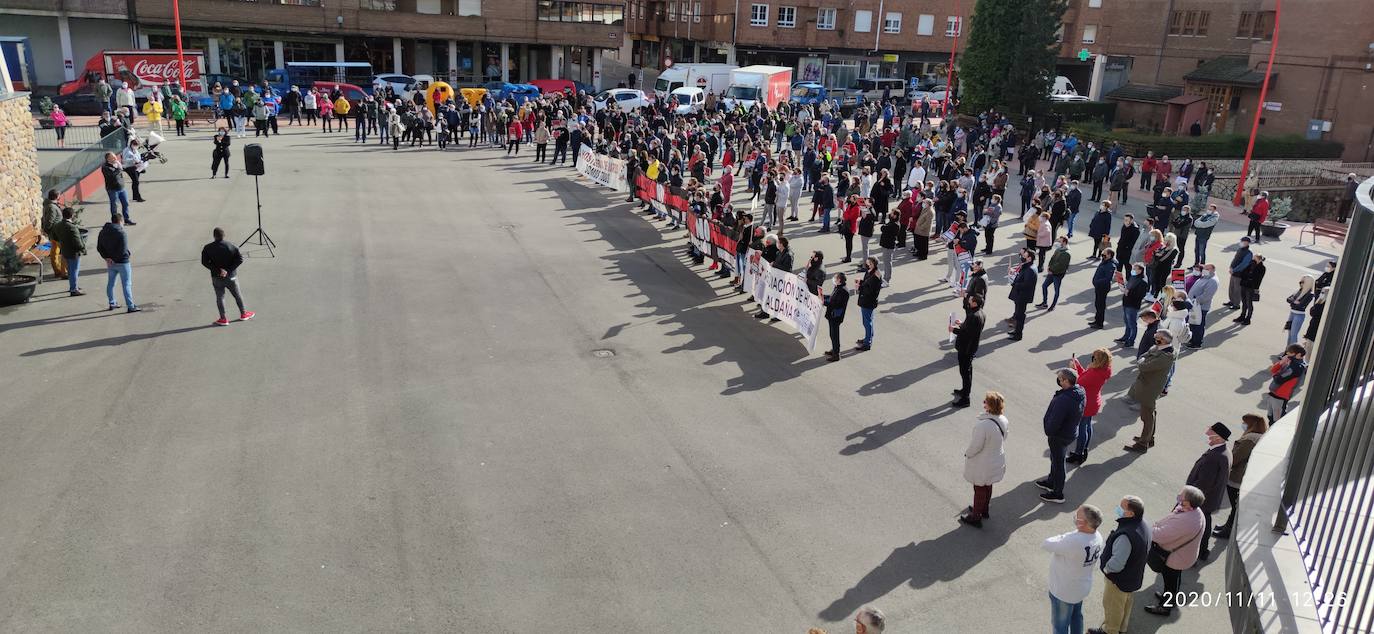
625, 99
397, 82
935, 94
873, 90
352, 93
688, 100
1068, 97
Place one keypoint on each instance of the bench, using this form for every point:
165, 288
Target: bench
1323, 227
28, 240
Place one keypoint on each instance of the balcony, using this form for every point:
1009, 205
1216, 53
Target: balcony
108, 7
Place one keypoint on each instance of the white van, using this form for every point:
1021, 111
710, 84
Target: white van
1062, 86
872, 90
708, 77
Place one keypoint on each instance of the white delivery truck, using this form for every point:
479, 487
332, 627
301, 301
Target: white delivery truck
708, 77
769, 85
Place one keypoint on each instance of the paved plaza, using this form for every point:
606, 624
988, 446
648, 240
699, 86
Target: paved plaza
421, 431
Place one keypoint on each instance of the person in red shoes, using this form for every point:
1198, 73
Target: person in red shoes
223, 260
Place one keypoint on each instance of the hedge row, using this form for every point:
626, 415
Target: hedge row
1214, 146
1059, 114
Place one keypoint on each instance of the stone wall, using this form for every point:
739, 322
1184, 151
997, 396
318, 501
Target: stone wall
21, 196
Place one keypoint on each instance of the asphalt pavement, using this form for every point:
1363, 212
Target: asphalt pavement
485, 395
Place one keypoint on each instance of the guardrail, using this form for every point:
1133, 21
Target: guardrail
82, 163
76, 137
1329, 487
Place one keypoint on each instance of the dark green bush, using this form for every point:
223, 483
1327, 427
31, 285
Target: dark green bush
1214, 146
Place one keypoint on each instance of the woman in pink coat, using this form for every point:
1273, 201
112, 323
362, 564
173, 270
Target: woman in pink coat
1179, 534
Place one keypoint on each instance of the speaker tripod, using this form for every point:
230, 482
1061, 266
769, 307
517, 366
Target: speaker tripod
263, 238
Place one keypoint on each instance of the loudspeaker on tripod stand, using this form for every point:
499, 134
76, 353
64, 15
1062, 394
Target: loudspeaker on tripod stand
252, 160
252, 163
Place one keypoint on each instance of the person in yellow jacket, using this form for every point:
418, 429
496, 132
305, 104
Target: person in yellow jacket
341, 108
152, 108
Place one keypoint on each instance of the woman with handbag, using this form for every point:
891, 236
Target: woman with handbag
1175, 540
1297, 308
985, 461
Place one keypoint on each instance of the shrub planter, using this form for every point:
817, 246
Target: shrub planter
1273, 229
18, 291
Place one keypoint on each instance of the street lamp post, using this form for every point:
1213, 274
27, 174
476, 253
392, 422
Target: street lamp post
953, 47
181, 60
1259, 107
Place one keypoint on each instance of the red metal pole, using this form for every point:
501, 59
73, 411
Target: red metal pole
1239, 198
949, 79
181, 60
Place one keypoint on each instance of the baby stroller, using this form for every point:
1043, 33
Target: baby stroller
148, 150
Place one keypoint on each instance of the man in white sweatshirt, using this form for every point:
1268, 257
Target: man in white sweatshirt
1073, 561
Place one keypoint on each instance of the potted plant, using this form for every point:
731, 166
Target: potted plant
1279, 209
14, 288
45, 106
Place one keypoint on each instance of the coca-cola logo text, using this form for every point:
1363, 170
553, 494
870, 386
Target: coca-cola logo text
163, 70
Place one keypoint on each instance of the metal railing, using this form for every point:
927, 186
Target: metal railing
75, 137
80, 165
1329, 487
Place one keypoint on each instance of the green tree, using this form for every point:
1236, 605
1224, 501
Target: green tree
1011, 53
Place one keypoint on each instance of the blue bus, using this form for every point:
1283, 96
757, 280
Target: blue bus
305, 74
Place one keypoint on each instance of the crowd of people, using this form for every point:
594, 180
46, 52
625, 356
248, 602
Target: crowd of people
922, 187
893, 174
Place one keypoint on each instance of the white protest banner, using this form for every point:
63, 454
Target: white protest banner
603, 169
784, 296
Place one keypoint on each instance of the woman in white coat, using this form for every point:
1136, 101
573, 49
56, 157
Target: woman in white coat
985, 461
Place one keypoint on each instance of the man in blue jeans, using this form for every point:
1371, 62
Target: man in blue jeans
1073, 561
113, 172
67, 235
113, 245
1061, 430
868, 289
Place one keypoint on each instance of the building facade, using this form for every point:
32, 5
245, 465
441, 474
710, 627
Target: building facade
463, 41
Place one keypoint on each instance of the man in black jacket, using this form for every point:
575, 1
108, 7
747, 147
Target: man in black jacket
967, 332
113, 245
835, 306
1210, 474
1123, 564
1022, 292
1061, 430
977, 284
1102, 284
222, 258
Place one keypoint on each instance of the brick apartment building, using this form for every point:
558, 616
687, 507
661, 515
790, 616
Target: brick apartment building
1170, 63
460, 40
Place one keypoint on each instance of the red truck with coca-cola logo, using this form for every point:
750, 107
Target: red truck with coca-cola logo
142, 70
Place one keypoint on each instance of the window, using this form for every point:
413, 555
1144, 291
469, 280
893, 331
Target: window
953, 25
1191, 23
1256, 25
1089, 34
758, 15
787, 17
696, 11
672, 12
892, 23
825, 19
863, 21
1094, 4
560, 11
925, 24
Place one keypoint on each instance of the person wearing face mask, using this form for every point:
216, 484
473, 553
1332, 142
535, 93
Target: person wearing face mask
1315, 318
868, 289
1073, 556
1202, 232
1100, 227
1239, 263
220, 153
1250, 287
815, 273
1123, 565
835, 305
1209, 475
1175, 539
1125, 243
1286, 373
1061, 430
985, 460
1255, 426
1059, 267
1102, 284
977, 283
1022, 293
1133, 287
967, 333
1297, 307
1200, 295
1152, 374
